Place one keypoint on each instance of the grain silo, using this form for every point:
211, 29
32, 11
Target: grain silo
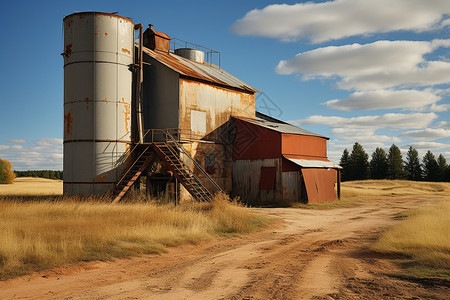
98, 53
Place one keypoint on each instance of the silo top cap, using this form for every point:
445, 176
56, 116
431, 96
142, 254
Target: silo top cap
98, 13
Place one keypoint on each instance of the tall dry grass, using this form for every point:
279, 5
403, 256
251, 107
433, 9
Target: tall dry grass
40, 234
424, 238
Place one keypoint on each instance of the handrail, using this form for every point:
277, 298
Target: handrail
194, 161
129, 169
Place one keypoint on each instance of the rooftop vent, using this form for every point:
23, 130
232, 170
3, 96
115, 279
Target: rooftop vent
155, 40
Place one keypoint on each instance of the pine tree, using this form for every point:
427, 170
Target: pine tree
395, 163
344, 164
378, 164
358, 164
412, 165
443, 166
430, 167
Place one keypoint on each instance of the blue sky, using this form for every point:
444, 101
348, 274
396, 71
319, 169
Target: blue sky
373, 72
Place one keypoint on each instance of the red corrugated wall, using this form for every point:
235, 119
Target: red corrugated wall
255, 142
320, 184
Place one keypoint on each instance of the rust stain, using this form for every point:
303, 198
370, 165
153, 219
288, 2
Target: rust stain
127, 113
87, 102
68, 51
106, 34
104, 100
68, 124
123, 101
101, 178
96, 33
126, 51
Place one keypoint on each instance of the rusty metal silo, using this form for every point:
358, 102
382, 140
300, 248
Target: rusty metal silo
98, 52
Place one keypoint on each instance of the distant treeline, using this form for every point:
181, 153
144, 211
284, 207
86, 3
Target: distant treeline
50, 174
390, 165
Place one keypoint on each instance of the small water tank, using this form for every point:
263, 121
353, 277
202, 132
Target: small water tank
98, 50
191, 54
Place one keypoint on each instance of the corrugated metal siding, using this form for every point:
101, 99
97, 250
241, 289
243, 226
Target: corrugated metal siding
310, 146
255, 142
200, 71
320, 184
219, 104
291, 186
246, 180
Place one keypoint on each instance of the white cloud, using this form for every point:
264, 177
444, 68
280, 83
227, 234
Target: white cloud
388, 99
391, 120
17, 141
427, 134
338, 19
362, 135
49, 142
444, 125
429, 145
44, 153
10, 148
374, 66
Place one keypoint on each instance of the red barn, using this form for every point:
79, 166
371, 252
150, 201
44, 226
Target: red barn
275, 161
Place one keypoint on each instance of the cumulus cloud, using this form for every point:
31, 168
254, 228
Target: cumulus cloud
429, 145
44, 153
17, 141
391, 120
427, 134
388, 99
362, 135
10, 148
331, 20
374, 66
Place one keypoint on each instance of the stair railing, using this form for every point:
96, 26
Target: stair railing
171, 139
129, 169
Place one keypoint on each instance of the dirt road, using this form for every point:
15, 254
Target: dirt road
308, 254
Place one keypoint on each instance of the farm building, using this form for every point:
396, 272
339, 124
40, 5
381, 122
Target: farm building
154, 114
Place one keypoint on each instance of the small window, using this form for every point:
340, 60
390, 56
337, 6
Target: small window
267, 180
198, 121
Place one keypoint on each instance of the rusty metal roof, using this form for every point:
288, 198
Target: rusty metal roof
278, 125
207, 72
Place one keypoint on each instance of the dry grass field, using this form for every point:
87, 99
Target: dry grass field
23, 186
384, 239
60, 230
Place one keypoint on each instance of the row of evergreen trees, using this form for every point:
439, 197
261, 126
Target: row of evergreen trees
50, 174
356, 165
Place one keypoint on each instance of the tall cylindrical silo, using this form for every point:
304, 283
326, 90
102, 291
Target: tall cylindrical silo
98, 52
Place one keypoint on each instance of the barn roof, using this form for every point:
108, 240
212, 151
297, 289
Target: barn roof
205, 71
279, 126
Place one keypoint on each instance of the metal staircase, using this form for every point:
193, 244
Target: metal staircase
169, 150
144, 157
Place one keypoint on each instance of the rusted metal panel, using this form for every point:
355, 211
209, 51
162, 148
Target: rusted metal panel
246, 180
97, 99
156, 40
320, 184
308, 146
200, 71
217, 104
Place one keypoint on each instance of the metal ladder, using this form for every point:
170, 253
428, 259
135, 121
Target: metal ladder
133, 172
